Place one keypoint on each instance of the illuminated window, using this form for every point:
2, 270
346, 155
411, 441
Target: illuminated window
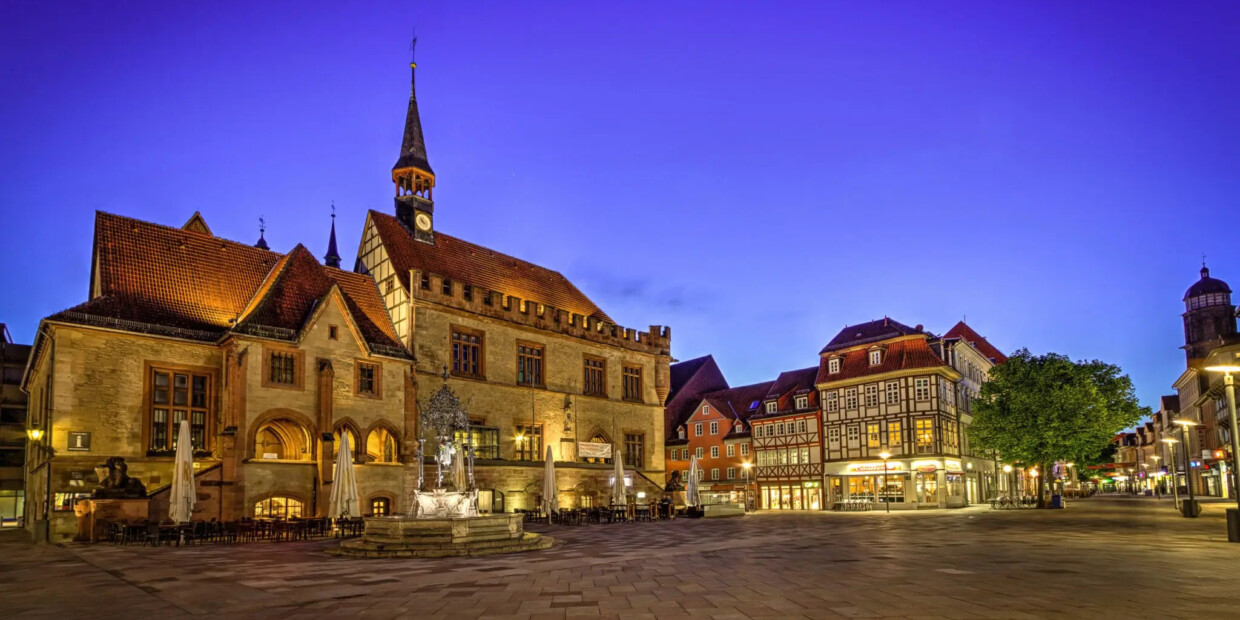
381, 446
529, 443
873, 436
924, 429
278, 508
380, 506
894, 434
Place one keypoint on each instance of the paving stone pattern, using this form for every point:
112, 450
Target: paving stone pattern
1101, 558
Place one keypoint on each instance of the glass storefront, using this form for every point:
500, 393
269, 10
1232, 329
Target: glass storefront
795, 496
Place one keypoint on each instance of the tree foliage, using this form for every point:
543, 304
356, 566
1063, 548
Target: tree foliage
1044, 408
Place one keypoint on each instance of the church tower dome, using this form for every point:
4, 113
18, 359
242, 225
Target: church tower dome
412, 174
1208, 315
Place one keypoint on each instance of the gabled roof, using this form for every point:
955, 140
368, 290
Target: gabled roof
865, 333
739, 402
152, 278
1171, 403
690, 380
904, 354
472, 264
786, 387
964, 332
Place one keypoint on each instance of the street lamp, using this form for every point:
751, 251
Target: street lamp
1227, 361
885, 456
1007, 470
1189, 510
1175, 485
35, 434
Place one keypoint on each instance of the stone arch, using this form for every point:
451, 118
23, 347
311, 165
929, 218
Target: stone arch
381, 444
289, 432
598, 435
356, 447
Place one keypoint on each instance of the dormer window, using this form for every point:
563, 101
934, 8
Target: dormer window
682, 432
876, 357
833, 365
802, 402
771, 407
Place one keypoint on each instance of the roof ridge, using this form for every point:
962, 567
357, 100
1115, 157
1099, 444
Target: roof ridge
178, 229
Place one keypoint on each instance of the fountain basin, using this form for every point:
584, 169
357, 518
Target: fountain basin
413, 537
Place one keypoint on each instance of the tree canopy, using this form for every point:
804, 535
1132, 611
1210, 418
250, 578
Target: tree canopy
1039, 409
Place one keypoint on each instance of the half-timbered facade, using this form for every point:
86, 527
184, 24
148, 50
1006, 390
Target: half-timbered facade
885, 389
973, 357
787, 432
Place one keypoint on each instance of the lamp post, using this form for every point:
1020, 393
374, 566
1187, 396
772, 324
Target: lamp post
1189, 510
1007, 470
1157, 475
1227, 361
1175, 486
887, 500
35, 435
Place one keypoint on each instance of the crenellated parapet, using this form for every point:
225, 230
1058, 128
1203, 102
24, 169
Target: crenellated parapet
530, 313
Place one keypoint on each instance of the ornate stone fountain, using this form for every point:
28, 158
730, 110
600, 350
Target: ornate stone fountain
443, 521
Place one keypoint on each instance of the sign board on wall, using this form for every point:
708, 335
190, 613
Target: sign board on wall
593, 450
79, 441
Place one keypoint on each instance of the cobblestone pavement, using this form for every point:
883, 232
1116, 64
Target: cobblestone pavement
1101, 558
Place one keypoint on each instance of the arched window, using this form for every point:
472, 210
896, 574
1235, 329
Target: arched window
381, 446
344, 433
282, 438
278, 508
381, 506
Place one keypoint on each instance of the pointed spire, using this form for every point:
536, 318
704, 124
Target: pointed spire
332, 259
413, 146
262, 229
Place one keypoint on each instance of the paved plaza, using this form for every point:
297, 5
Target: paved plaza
1102, 558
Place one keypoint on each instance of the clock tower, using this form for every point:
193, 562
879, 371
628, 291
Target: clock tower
412, 174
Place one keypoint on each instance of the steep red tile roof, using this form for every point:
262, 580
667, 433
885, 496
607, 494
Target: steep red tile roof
738, 402
873, 331
149, 277
690, 379
472, 264
963, 331
900, 355
786, 387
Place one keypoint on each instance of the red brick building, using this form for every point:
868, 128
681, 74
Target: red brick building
716, 430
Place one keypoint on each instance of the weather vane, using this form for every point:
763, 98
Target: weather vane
413, 44
262, 225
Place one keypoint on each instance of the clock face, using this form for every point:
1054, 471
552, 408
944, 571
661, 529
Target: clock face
423, 221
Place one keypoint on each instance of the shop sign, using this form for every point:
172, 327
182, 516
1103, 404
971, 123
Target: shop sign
874, 468
811, 485
926, 466
952, 465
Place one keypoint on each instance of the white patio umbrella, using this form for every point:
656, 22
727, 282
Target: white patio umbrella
691, 487
344, 485
618, 497
182, 494
549, 494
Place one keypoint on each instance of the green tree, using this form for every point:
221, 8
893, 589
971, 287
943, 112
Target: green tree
1038, 409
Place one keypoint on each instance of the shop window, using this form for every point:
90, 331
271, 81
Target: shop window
891, 488
278, 508
381, 506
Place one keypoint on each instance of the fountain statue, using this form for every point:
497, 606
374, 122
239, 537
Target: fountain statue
444, 417
444, 520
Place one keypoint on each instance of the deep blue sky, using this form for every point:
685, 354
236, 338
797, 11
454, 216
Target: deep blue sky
754, 175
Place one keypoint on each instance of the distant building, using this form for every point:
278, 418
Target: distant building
888, 387
13, 358
787, 443
716, 431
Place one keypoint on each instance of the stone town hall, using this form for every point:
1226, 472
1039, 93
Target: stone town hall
276, 359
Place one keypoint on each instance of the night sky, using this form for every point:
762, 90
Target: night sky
755, 176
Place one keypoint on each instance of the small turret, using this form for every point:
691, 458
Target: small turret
332, 258
262, 230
